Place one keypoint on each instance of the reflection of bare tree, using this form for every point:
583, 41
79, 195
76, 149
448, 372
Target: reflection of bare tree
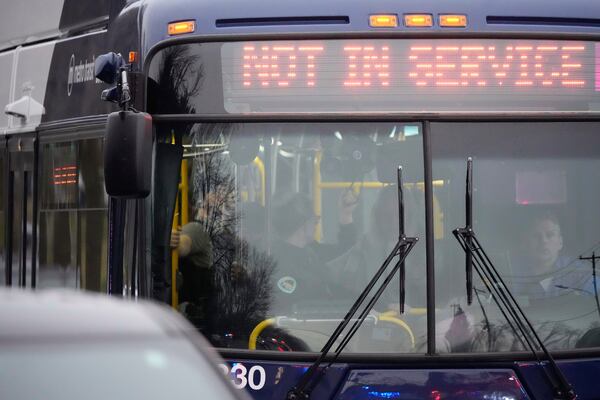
242, 286
555, 336
243, 293
213, 188
179, 79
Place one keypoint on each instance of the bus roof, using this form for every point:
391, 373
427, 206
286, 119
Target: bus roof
237, 17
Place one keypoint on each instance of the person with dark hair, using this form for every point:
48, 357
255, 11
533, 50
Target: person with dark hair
358, 265
301, 275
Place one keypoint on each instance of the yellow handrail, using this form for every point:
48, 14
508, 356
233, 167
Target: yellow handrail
387, 317
257, 331
400, 323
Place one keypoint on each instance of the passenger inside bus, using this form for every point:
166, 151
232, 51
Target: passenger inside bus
194, 248
356, 267
542, 269
301, 275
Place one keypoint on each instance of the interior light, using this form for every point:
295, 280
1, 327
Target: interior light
418, 20
383, 21
453, 20
411, 130
181, 27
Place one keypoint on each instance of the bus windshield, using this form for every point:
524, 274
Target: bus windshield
284, 224
279, 226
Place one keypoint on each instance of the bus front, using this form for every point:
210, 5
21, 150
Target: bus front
275, 200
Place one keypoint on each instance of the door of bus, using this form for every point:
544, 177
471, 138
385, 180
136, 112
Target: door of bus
20, 213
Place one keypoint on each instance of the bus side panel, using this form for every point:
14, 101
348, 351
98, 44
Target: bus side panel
6, 69
266, 380
35, 20
73, 89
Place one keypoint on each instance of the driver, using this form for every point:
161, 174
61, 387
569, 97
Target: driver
542, 270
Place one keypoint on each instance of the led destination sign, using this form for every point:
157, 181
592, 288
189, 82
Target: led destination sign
257, 75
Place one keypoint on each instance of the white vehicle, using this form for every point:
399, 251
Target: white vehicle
66, 345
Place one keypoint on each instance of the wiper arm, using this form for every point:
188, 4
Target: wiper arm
504, 299
403, 246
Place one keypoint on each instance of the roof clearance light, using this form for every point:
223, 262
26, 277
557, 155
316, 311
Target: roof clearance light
453, 21
418, 20
181, 27
383, 21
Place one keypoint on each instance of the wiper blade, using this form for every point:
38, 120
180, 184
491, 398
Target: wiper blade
404, 245
469, 226
511, 310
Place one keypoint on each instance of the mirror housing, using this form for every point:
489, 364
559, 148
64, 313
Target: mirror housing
128, 154
106, 67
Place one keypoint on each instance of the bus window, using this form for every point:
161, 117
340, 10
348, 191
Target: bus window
536, 187
58, 216
287, 224
92, 217
73, 216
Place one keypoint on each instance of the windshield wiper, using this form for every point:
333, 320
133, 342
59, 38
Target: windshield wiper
478, 259
404, 245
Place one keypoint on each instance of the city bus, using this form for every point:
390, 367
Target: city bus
349, 200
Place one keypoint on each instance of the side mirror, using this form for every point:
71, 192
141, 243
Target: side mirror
106, 67
128, 154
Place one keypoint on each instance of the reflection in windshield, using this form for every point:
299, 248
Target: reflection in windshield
286, 224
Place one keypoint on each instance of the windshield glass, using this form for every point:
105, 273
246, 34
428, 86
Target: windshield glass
279, 227
536, 191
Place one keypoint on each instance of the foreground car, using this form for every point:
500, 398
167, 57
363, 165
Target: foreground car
67, 345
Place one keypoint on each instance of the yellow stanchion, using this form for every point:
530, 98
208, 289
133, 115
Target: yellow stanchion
261, 170
180, 218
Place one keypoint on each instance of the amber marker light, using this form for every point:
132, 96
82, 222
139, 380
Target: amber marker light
383, 21
181, 27
453, 21
132, 57
418, 20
